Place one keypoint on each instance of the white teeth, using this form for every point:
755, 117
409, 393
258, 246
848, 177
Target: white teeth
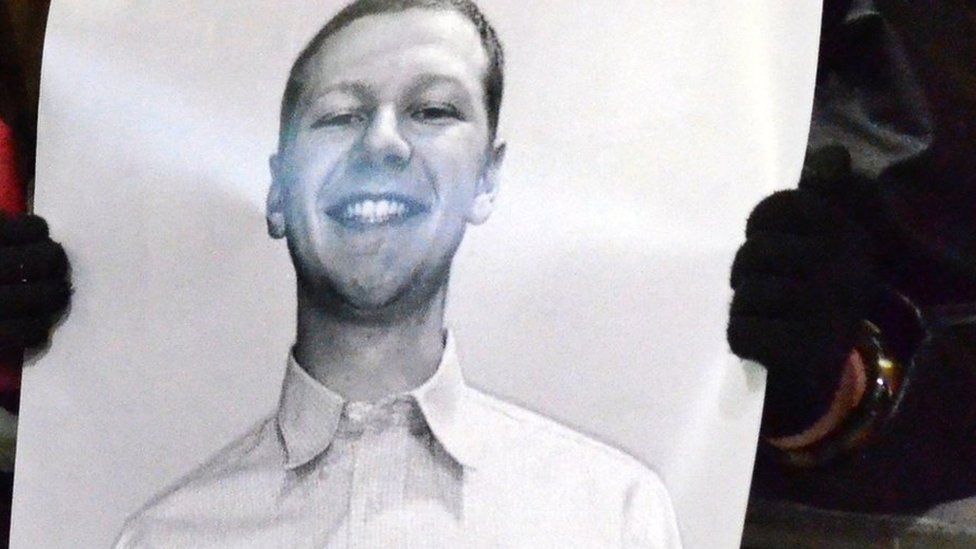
369, 211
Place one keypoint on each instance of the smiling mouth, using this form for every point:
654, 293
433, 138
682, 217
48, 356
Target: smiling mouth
374, 210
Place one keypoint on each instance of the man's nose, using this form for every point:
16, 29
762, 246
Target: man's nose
384, 145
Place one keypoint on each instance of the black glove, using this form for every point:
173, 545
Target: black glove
807, 276
34, 281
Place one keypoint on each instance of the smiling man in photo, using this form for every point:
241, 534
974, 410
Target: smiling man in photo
387, 152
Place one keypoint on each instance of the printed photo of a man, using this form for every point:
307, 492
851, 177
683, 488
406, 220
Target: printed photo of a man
388, 150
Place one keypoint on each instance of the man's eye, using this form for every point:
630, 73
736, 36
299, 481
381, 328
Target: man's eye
436, 114
339, 120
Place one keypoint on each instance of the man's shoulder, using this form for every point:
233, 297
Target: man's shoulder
556, 470
547, 442
249, 460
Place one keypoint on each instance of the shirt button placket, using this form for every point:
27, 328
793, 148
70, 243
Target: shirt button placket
357, 496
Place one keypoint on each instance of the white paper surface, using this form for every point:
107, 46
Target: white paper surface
640, 134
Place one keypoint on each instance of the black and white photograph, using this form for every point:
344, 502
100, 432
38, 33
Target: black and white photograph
403, 273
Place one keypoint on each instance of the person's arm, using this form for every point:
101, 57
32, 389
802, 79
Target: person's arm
812, 302
889, 91
881, 419
923, 452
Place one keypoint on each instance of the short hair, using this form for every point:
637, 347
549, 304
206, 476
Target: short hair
493, 80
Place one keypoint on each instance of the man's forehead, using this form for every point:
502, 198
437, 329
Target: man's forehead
416, 40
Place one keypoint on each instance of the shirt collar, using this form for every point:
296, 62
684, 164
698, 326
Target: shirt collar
309, 412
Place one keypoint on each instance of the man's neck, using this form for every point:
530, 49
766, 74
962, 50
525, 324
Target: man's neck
369, 361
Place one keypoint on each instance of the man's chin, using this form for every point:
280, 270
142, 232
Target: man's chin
381, 300
360, 306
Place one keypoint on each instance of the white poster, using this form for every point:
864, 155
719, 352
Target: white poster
638, 135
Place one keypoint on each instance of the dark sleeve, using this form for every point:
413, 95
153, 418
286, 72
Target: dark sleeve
927, 452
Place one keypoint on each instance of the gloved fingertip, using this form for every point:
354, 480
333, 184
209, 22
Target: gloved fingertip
826, 164
22, 229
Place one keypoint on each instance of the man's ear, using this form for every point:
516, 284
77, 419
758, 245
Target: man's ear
487, 191
275, 212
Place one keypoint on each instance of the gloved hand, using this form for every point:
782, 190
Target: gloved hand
34, 281
808, 274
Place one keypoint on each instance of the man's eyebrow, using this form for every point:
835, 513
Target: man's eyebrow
358, 89
428, 80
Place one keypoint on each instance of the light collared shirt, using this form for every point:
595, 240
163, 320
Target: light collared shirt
444, 465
